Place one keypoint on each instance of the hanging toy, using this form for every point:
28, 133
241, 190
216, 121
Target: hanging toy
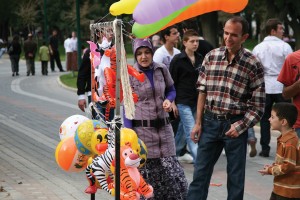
109, 89
132, 183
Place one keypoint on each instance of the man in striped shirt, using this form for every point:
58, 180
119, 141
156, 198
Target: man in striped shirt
286, 169
231, 100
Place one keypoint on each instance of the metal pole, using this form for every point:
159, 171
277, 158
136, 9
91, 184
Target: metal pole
117, 110
92, 34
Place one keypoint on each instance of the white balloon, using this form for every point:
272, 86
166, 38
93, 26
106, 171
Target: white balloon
70, 125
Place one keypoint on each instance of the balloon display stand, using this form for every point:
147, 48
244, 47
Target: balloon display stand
96, 30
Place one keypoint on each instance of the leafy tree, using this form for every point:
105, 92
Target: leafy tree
288, 11
27, 14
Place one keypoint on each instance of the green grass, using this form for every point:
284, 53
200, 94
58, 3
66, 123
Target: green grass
69, 79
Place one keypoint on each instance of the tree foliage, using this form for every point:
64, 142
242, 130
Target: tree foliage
29, 15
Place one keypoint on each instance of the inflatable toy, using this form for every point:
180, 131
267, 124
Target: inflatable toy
70, 125
68, 157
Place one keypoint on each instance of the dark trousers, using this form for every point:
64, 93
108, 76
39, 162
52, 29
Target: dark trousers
30, 66
264, 122
211, 143
55, 56
44, 67
14, 59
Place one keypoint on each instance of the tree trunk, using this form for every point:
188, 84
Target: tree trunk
208, 24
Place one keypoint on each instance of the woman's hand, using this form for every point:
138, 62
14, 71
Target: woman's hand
175, 110
167, 105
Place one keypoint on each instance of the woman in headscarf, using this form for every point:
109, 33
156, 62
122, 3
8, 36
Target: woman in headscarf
155, 95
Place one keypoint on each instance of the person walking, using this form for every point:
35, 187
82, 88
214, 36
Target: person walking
30, 48
44, 58
14, 52
162, 169
164, 54
184, 71
2, 47
231, 99
73, 46
286, 168
68, 50
289, 77
271, 52
54, 53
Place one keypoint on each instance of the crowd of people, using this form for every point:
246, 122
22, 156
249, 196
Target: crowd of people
47, 51
200, 103
197, 102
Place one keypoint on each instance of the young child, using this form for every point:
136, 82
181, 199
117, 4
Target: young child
286, 169
44, 58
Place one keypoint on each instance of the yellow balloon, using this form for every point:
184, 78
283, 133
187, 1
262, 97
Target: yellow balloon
123, 7
83, 137
129, 136
99, 141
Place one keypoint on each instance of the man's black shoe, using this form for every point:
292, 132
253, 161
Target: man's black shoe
62, 70
264, 154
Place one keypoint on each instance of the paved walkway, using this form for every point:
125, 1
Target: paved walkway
31, 112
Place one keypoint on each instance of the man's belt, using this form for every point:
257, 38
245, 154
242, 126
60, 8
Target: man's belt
157, 123
219, 117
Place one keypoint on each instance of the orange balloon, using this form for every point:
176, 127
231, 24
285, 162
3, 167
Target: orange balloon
68, 157
206, 6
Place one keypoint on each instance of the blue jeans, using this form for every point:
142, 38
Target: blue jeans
187, 122
210, 145
251, 135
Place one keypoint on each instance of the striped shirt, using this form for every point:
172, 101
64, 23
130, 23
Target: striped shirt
286, 169
235, 87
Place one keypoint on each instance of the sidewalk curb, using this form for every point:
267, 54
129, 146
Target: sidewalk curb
65, 86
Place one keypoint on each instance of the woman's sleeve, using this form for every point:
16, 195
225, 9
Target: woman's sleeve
170, 93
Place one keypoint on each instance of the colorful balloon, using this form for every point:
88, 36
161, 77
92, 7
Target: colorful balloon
143, 153
68, 157
123, 7
129, 136
206, 6
165, 8
99, 141
145, 30
190, 10
69, 125
83, 135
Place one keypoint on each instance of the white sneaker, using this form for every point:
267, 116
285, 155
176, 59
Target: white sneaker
186, 158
